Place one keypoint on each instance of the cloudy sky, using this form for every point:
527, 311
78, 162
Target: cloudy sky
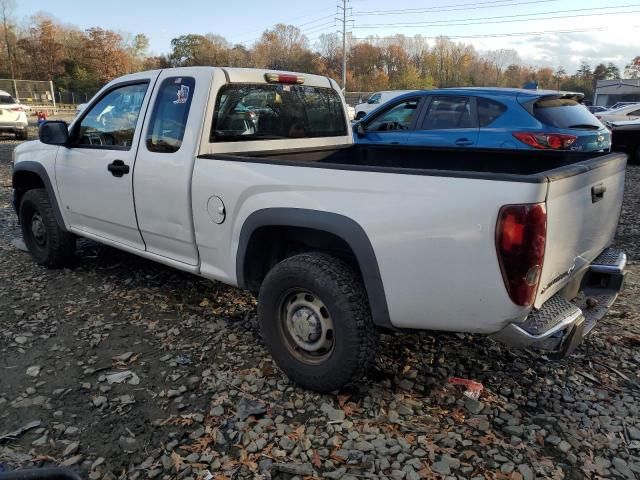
543, 32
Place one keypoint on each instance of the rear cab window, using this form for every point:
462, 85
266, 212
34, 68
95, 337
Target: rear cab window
564, 113
245, 112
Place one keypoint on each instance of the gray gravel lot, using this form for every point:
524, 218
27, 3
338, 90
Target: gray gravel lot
122, 368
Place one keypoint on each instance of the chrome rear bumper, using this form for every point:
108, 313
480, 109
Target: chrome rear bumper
561, 324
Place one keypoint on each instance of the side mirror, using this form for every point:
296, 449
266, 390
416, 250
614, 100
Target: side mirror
54, 132
360, 131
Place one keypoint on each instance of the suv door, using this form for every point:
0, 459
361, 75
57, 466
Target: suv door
94, 173
448, 121
391, 125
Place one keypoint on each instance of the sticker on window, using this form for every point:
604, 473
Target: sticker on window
182, 94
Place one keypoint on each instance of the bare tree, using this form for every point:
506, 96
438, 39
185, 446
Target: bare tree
6, 7
501, 59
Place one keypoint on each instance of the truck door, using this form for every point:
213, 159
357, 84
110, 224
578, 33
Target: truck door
164, 166
94, 173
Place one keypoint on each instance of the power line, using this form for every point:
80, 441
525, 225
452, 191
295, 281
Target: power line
459, 6
284, 21
511, 18
493, 35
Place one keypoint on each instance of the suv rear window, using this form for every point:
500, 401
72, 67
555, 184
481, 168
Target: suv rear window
6, 100
565, 113
274, 111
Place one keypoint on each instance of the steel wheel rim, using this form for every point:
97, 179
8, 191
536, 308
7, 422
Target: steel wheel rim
38, 230
306, 326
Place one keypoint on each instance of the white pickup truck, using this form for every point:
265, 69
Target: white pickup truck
250, 177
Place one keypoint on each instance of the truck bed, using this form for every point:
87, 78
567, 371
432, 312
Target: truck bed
531, 166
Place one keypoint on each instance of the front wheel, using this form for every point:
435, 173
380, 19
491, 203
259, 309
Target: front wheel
315, 319
47, 243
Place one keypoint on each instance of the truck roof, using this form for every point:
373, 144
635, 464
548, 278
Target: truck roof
241, 75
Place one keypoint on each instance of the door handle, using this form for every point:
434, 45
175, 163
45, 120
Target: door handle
597, 192
118, 168
463, 142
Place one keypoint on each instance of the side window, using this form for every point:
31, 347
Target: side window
170, 113
635, 113
375, 98
447, 112
489, 111
398, 117
111, 123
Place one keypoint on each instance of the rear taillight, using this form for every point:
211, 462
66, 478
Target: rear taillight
16, 109
549, 141
521, 235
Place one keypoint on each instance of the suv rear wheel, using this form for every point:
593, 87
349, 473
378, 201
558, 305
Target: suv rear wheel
315, 319
47, 243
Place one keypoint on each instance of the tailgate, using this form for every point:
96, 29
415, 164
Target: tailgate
583, 206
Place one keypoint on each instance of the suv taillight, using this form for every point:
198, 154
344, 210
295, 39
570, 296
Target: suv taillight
546, 141
521, 235
17, 109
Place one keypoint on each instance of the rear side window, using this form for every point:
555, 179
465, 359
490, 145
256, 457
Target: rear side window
170, 114
489, 111
6, 100
447, 112
275, 111
564, 113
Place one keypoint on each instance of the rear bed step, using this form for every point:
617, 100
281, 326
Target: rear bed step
611, 260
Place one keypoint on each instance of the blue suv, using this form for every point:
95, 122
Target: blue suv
486, 118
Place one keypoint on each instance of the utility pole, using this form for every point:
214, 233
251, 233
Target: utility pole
343, 7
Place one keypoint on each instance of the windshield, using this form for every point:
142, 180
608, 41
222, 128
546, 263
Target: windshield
565, 113
275, 111
6, 100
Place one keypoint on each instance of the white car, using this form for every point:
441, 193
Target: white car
335, 238
376, 100
13, 118
351, 112
627, 112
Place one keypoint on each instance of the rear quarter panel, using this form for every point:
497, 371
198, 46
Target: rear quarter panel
433, 236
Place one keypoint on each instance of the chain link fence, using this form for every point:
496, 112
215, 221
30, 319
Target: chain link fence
36, 94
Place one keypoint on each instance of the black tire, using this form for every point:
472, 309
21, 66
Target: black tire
635, 158
332, 283
360, 115
47, 243
24, 135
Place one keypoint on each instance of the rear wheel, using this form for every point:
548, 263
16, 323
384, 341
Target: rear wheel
315, 319
24, 135
636, 156
47, 243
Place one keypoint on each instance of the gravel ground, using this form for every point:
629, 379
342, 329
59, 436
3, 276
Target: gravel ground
122, 368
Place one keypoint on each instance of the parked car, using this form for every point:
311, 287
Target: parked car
626, 112
617, 105
335, 239
375, 100
596, 108
351, 112
13, 117
626, 138
486, 118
